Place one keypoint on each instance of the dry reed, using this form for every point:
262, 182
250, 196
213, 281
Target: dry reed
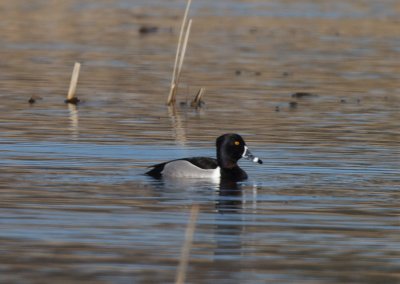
180, 55
72, 86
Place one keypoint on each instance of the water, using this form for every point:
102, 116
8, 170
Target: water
323, 208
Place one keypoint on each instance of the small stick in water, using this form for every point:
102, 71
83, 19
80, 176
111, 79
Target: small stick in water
71, 99
197, 101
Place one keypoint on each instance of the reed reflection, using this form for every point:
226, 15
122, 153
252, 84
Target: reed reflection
177, 125
73, 121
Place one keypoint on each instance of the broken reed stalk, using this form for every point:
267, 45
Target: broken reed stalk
197, 101
178, 56
72, 86
184, 260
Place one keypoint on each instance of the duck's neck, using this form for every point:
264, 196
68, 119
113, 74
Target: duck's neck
229, 168
234, 174
225, 162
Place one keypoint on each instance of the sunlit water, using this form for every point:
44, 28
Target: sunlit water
323, 208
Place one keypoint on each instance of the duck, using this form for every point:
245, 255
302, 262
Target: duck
230, 149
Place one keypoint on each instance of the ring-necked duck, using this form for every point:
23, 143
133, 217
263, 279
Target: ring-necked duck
230, 148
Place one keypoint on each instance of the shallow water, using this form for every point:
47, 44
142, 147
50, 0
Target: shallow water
323, 208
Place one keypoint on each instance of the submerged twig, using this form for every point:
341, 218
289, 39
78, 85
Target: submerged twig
180, 54
183, 263
72, 86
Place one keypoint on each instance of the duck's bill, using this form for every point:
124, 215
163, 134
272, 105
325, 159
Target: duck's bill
249, 156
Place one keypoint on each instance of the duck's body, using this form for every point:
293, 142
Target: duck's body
195, 167
230, 148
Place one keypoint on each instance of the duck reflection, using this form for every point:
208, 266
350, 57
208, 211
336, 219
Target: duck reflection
229, 237
229, 228
229, 197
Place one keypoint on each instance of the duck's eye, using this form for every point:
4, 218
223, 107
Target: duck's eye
237, 143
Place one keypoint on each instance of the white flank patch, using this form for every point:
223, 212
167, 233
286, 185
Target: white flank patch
185, 169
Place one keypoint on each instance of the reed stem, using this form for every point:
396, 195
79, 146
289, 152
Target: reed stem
74, 81
178, 57
182, 57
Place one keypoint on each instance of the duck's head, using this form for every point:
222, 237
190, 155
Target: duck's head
230, 148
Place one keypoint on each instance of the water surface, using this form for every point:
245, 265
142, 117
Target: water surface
323, 208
